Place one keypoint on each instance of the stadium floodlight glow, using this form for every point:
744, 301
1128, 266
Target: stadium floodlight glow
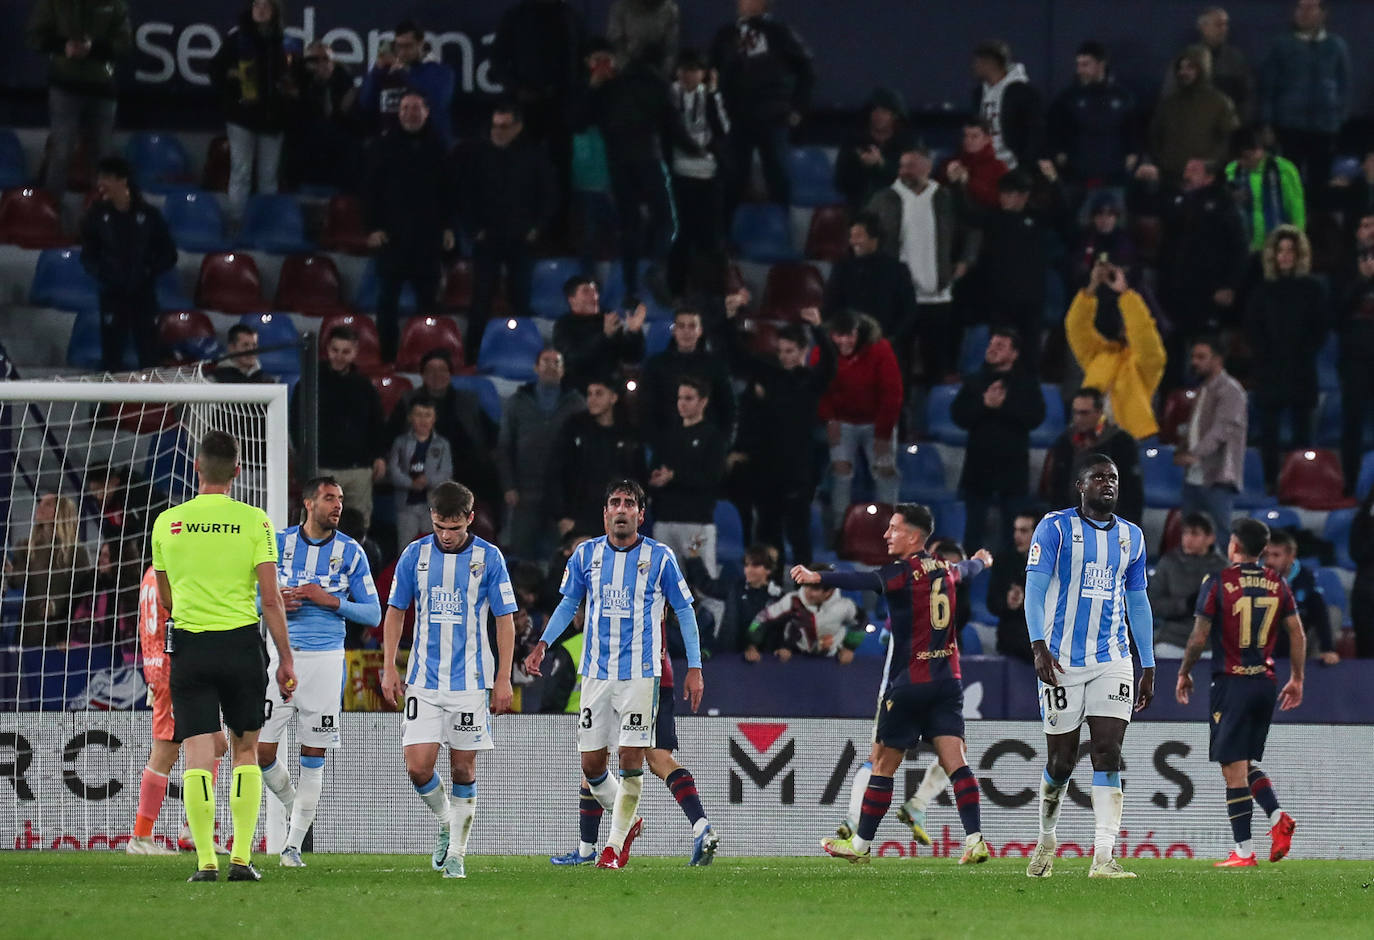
511, 324
872, 509
1152, 452
912, 448
631, 385
871, 628
1309, 455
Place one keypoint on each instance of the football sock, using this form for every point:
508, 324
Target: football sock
1051, 798
1107, 804
436, 799
684, 790
245, 796
307, 799
877, 799
199, 797
966, 797
589, 813
1263, 792
626, 806
152, 790
1240, 806
604, 788
856, 791
277, 778
462, 809
931, 784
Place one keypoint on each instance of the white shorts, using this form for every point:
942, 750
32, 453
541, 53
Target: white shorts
458, 719
1106, 690
317, 701
617, 713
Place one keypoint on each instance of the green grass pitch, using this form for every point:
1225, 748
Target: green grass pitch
104, 896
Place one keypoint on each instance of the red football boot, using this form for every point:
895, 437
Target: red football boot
608, 859
635, 831
1281, 837
1237, 861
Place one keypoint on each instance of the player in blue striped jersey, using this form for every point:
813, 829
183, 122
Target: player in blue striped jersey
325, 581
1085, 587
456, 582
627, 581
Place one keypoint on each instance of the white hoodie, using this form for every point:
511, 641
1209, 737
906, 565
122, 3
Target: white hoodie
992, 110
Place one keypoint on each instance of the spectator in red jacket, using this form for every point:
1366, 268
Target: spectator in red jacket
976, 170
861, 408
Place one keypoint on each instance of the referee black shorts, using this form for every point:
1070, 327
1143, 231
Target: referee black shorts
218, 671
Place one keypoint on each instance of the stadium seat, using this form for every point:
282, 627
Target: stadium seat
940, 425
343, 226
422, 335
195, 220
1163, 478
827, 239
791, 286
861, 535
1337, 532
657, 335
974, 348
230, 282
1054, 423
613, 292
1172, 536
546, 286
180, 331
1276, 517
13, 166
457, 292
1253, 495
309, 284
951, 519
391, 388
813, 177
170, 294
763, 232
1312, 479
1328, 420
1365, 481
729, 534
1334, 590
923, 474
276, 329
761, 337
160, 162
29, 219
485, 390
365, 297
978, 601
1175, 414
509, 349
60, 281
274, 222
369, 345
215, 176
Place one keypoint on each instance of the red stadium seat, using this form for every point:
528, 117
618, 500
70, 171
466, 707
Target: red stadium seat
229, 282
369, 345
457, 292
1312, 479
1173, 531
391, 387
1175, 413
29, 219
484, 523
828, 237
216, 176
343, 226
1345, 644
181, 325
309, 284
861, 538
421, 335
79, 174
761, 337
791, 286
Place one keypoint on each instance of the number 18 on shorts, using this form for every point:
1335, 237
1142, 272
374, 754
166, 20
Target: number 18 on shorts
1101, 691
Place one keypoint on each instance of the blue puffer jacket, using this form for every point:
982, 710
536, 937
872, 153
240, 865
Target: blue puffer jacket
1306, 83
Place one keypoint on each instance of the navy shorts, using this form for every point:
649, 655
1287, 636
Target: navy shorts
665, 728
1241, 709
919, 710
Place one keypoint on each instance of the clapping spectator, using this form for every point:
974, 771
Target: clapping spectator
1174, 585
867, 163
1089, 432
594, 448
687, 476
244, 366
688, 355
811, 621
1007, 590
125, 246
593, 342
999, 405
1305, 90
1092, 124
977, 169
1009, 103
407, 72
1286, 326
1213, 450
1268, 187
644, 30
1354, 324
699, 163
1195, 120
52, 570
1282, 555
420, 460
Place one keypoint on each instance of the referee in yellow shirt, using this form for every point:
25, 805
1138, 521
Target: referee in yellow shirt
213, 557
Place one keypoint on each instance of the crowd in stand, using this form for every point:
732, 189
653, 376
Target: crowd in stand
1181, 237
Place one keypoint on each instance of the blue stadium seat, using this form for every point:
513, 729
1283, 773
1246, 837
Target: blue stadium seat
160, 162
1331, 586
1328, 373
974, 348
509, 348
1337, 532
276, 329
1366, 477
874, 644
274, 222
978, 600
951, 518
170, 294
1277, 517
13, 167
546, 286
60, 281
196, 221
970, 643
813, 177
657, 335
729, 534
939, 424
923, 474
1329, 420
613, 292
84, 350
763, 233
1053, 425
1253, 495
1163, 478
485, 390
365, 297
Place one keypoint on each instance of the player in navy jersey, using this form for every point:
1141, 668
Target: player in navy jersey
456, 581
325, 581
923, 696
627, 580
1237, 609
1085, 585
